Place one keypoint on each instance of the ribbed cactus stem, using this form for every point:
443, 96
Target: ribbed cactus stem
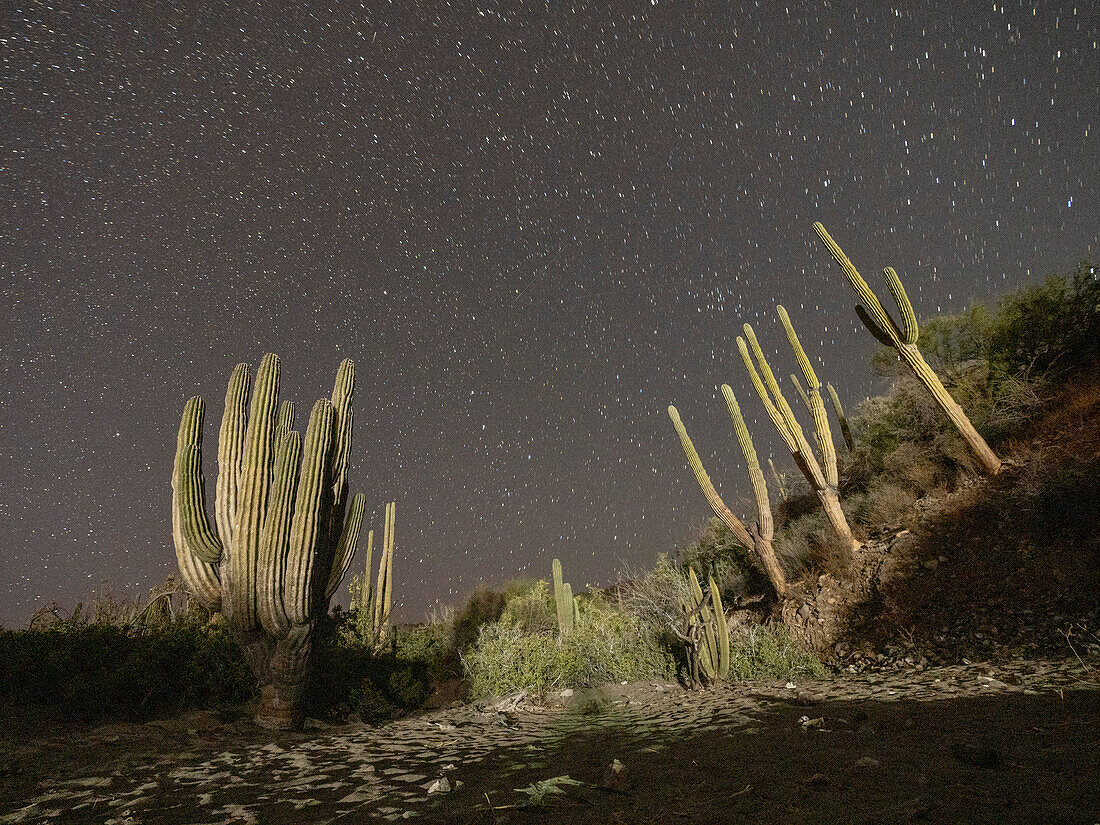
903, 339
801, 392
723, 632
814, 401
570, 612
717, 505
276, 559
823, 482
383, 591
845, 430
708, 648
764, 531
563, 604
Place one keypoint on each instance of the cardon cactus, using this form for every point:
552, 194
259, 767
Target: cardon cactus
707, 628
759, 539
563, 600
282, 541
849, 442
823, 480
903, 338
383, 592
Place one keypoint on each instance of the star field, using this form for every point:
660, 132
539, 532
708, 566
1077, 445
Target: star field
532, 225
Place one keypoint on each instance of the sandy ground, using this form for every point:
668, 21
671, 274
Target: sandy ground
1015, 743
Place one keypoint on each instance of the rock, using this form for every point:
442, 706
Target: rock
441, 785
615, 777
806, 698
804, 611
932, 564
565, 694
865, 762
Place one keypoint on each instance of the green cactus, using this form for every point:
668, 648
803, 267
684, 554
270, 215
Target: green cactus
563, 600
842, 418
778, 480
281, 542
708, 627
759, 540
823, 481
903, 338
383, 590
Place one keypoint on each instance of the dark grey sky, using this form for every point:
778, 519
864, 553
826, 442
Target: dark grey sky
532, 226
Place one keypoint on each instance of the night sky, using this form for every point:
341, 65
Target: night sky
532, 226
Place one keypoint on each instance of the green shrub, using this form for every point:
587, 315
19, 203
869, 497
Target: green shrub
483, 607
533, 611
769, 652
605, 646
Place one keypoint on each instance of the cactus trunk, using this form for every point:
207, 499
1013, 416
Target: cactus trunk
903, 338
283, 540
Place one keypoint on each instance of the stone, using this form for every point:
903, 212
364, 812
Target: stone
615, 777
441, 785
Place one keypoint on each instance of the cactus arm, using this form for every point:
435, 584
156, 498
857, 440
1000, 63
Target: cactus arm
342, 392
285, 422
231, 452
380, 584
873, 306
274, 545
756, 477
570, 608
366, 591
345, 549
905, 342
909, 331
241, 586
773, 412
709, 653
559, 593
814, 401
189, 486
387, 603
773, 386
723, 639
842, 418
801, 392
880, 334
191, 531
306, 530
728, 518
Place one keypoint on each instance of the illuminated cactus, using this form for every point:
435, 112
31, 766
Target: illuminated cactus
822, 480
778, 480
709, 628
383, 590
903, 338
849, 442
282, 542
564, 604
759, 540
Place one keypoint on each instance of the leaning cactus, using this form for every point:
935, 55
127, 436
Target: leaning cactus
903, 338
759, 539
282, 542
822, 480
563, 600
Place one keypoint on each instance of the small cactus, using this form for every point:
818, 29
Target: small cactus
564, 604
903, 338
383, 590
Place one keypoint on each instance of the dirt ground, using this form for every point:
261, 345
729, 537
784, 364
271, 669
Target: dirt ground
1014, 743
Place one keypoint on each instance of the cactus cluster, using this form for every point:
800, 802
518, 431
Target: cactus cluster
564, 604
372, 604
759, 539
706, 632
821, 475
281, 541
903, 338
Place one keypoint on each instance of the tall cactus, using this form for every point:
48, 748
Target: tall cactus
759, 539
563, 600
903, 338
383, 590
281, 541
822, 480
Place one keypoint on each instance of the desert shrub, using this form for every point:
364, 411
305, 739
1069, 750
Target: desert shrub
1053, 328
533, 611
885, 503
655, 597
483, 607
431, 644
607, 645
89, 672
769, 652
811, 543
717, 553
